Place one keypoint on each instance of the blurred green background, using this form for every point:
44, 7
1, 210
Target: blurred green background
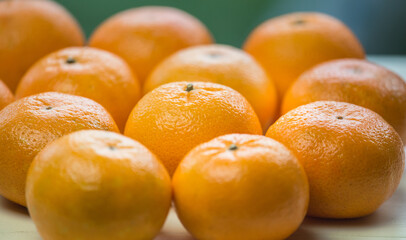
379, 24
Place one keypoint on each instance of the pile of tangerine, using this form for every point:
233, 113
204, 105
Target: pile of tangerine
193, 114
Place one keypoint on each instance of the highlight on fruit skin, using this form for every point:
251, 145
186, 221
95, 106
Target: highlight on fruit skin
223, 64
288, 45
94, 184
93, 73
353, 158
30, 30
239, 187
144, 36
354, 81
29, 124
175, 117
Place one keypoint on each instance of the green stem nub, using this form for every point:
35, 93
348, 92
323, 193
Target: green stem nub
214, 54
189, 87
299, 22
357, 70
232, 147
70, 60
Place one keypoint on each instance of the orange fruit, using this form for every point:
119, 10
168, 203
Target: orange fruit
353, 81
220, 64
288, 45
97, 185
87, 72
29, 31
6, 97
353, 158
28, 124
175, 117
145, 36
240, 186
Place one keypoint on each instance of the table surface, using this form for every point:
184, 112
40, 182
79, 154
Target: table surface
388, 222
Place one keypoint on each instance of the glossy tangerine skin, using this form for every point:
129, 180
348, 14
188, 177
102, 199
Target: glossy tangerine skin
288, 45
353, 81
145, 36
95, 74
224, 65
31, 30
353, 158
97, 185
170, 120
28, 124
6, 96
257, 191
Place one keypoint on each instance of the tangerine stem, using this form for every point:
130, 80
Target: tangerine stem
189, 87
70, 60
232, 147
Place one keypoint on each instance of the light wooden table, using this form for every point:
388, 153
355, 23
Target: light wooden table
389, 222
